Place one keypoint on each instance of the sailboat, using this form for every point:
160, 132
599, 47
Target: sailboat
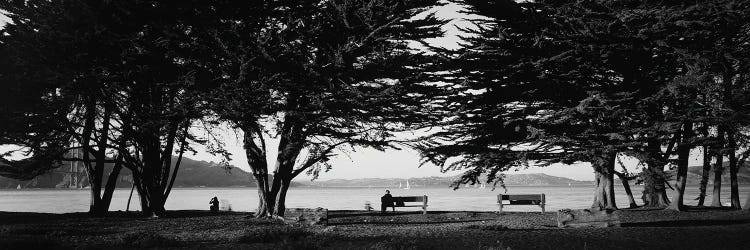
19, 186
407, 185
399, 185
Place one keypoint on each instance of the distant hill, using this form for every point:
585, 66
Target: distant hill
510, 180
192, 173
201, 173
695, 172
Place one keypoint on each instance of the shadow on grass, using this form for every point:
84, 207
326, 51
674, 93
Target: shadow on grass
55, 231
146, 239
273, 234
686, 223
355, 213
30, 243
28, 217
175, 214
401, 222
686, 209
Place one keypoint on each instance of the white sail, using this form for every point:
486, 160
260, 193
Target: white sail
19, 186
399, 185
407, 185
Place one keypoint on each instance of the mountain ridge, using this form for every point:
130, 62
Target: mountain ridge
196, 173
536, 179
192, 173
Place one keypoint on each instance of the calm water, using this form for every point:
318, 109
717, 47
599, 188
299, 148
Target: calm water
245, 199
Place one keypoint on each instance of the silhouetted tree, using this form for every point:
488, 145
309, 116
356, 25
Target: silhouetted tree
58, 97
498, 97
125, 74
319, 76
712, 40
554, 81
159, 82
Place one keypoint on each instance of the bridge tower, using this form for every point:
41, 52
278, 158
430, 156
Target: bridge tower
76, 171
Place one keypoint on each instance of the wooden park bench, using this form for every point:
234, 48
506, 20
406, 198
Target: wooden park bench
521, 199
400, 201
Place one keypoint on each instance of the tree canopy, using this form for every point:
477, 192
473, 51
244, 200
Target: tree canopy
319, 76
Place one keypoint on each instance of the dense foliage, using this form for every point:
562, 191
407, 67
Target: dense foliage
593, 81
320, 76
124, 84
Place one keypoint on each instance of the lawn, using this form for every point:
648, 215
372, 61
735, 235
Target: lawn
656, 229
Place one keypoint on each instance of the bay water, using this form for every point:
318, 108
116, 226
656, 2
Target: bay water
245, 199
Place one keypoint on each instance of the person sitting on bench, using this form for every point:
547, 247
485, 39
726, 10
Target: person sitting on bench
214, 205
386, 201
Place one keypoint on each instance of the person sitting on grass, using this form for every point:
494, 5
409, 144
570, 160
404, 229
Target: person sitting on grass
214, 205
386, 201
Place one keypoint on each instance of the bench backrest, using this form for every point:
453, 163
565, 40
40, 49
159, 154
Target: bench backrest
408, 199
522, 199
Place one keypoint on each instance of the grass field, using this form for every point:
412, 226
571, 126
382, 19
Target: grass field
697, 229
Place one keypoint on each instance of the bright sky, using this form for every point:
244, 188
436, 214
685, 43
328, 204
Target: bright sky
3, 19
367, 163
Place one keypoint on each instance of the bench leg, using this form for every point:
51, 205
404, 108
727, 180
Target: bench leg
501, 206
542, 208
424, 210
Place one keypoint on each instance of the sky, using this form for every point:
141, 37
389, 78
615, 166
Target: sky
3, 19
405, 163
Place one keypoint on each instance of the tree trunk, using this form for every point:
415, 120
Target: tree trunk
280, 204
142, 198
604, 169
256, 159
282, 178
93, 172
109, 190
626, 185
96, 191
654, 188
683, 156
704, 176
263, 196
290, 145
183, 144
272, 199
152, 203
154, 199
95, 183
733, 169
130, 197
146, 193
718, 169
735, 186
152, 183
722, 131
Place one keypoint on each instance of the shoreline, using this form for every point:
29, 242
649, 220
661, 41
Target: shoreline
334, 187
346, 229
